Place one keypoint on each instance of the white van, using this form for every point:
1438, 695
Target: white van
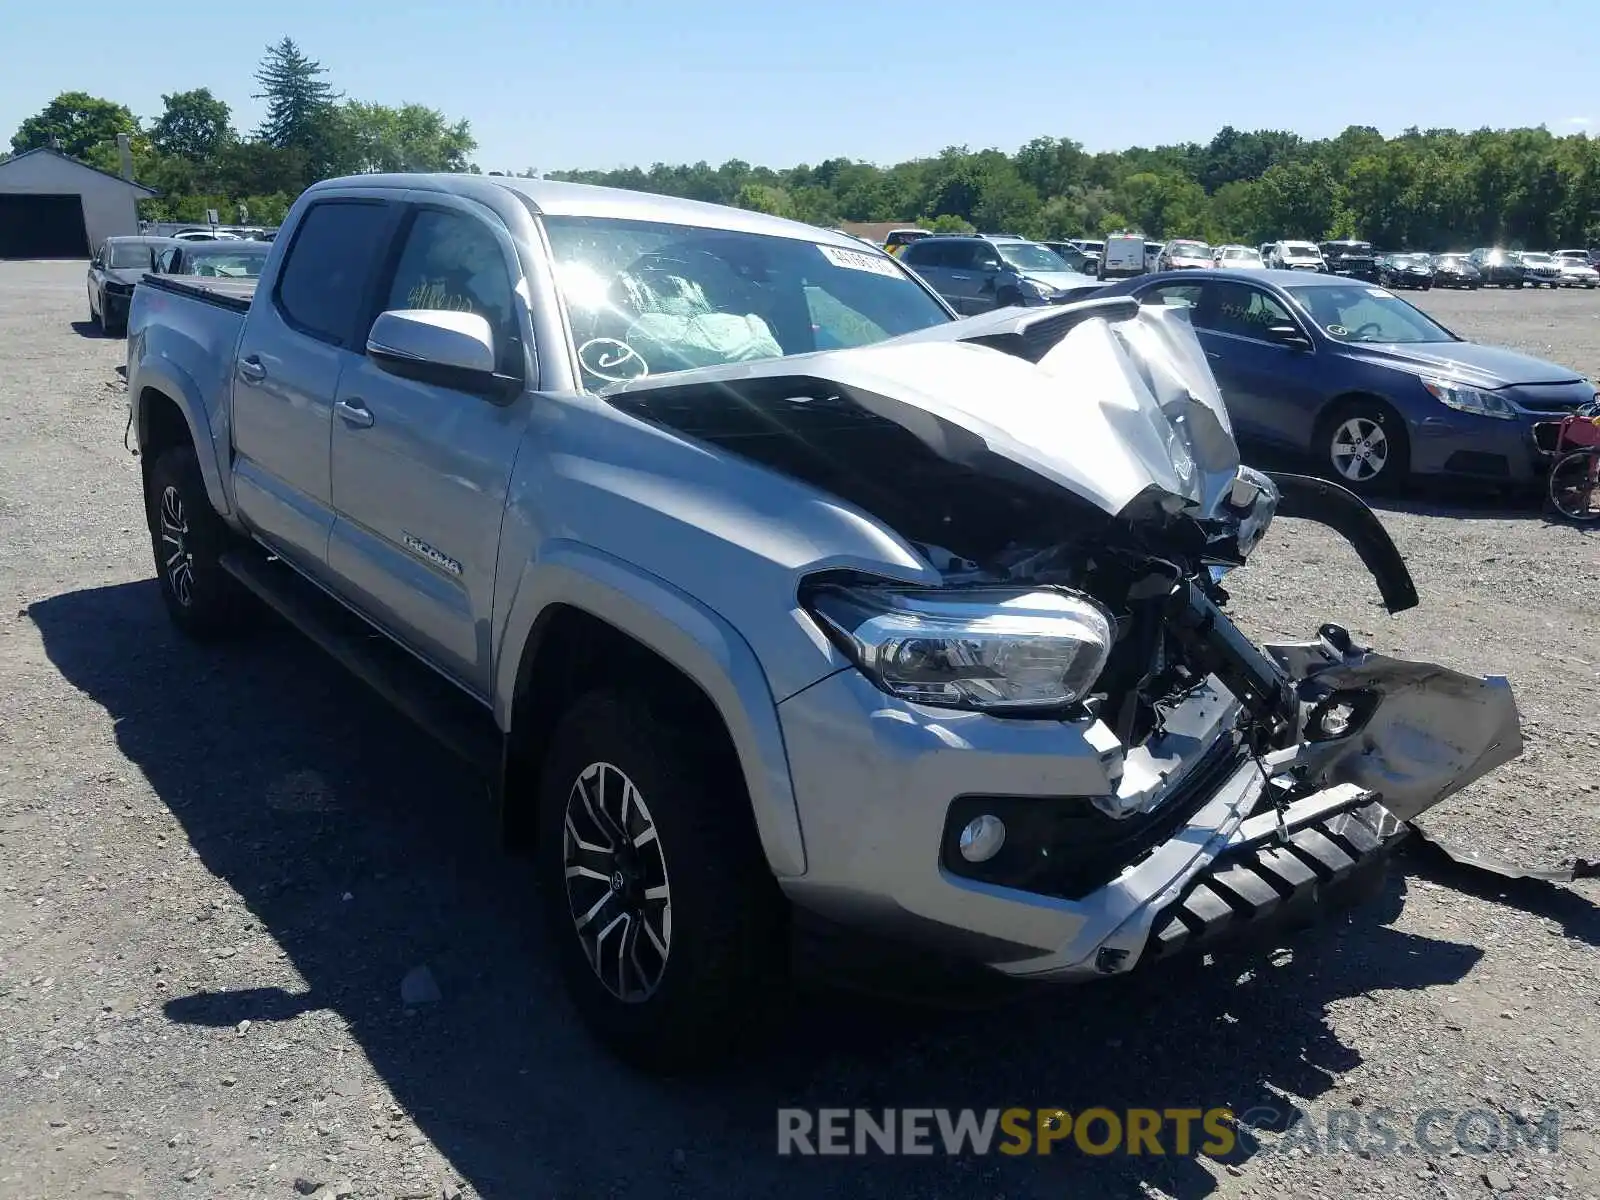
1123, 256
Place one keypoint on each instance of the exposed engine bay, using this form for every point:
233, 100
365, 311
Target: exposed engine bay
1099, 462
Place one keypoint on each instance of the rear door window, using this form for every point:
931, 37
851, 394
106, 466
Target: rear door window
323, 285
1244, 311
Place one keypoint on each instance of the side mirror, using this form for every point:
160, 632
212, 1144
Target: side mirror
1290, 336
451, 349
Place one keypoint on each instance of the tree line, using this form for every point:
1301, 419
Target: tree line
1433, 189
195, 158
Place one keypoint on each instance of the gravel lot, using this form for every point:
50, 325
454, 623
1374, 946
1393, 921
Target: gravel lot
217, 867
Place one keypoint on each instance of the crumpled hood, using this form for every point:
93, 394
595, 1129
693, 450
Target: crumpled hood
1112, 410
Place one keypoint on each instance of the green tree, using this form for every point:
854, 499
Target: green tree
193, 125
761, 197
411, 137
302, 112
75, 122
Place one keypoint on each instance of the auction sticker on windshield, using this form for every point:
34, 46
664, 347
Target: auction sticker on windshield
856, 260
1380, 293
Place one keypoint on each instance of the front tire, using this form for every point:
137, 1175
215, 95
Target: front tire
667, 922
188, 540
1363, 444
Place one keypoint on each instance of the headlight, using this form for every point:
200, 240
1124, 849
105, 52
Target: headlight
1469, 400
991, 649
1042, 291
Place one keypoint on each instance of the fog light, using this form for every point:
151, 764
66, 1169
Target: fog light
982, 838
1336, 720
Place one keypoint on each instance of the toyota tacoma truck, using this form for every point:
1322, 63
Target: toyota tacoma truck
790, 615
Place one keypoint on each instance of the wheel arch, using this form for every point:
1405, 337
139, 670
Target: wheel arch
167, 413
583, 620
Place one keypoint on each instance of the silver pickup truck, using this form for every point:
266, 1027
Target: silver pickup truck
795, 620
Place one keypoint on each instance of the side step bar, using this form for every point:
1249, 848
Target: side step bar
459, 722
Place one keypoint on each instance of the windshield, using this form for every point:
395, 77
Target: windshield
1025, 256
231, 263
129, 255
1529, 256
1300, 250
1348, 248
646, 298
1241, 252
1367, 314
1190, 250
1451, 260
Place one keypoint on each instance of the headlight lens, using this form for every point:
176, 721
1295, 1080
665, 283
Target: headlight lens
1041, 290
1469, 400
990, 649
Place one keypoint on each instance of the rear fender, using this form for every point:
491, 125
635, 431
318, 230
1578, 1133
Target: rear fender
1421, 732
171, 381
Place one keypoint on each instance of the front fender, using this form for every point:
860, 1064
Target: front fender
690, 636
168, 379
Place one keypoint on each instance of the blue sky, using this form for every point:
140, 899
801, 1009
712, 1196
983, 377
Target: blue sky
599, 83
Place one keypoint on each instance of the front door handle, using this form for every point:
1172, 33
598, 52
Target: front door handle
355, 413
1212, 354
251, 370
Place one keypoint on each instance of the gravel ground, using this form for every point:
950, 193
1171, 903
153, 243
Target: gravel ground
218, 867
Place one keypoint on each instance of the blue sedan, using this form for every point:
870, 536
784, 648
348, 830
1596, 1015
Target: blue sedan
1362, 381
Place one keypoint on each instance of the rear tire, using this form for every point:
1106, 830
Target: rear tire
669, 927
1362, 445
188, 539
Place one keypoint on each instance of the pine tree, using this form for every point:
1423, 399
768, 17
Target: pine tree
299, 102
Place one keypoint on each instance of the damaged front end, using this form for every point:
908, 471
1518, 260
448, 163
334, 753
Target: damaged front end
1083, 502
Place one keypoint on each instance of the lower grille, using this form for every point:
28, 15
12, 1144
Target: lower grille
1269, 884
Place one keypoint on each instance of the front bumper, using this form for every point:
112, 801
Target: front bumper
877, 781
1465, 445
1468, 446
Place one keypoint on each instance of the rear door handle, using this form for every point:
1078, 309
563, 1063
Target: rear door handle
961, 277
355, 413
251, 370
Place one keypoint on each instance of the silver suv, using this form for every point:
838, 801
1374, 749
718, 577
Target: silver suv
979, 273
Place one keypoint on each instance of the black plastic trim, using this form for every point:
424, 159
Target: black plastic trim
1344, 512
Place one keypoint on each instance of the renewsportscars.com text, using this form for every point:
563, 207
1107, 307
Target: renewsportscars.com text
1013, 1131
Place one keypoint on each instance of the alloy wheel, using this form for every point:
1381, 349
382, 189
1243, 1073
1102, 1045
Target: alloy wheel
1360, 449
175, 543
616, 881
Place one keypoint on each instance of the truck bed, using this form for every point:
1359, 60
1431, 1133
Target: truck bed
234, 294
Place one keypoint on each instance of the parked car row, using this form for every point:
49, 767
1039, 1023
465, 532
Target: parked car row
121, 262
